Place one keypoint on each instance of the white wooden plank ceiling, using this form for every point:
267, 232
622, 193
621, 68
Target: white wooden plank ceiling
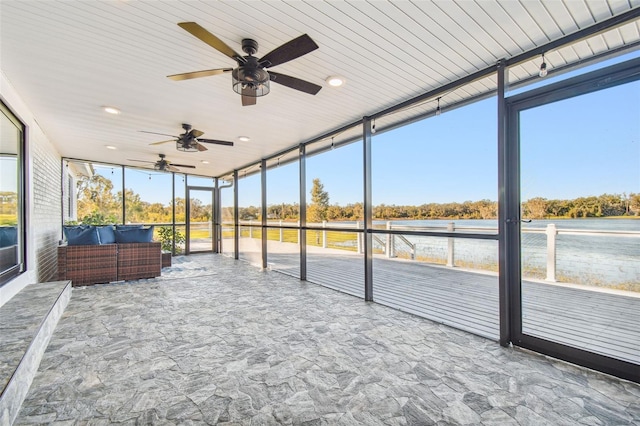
68, 58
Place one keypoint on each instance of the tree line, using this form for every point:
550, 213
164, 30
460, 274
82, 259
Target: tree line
606, 205
97, 203
320, 209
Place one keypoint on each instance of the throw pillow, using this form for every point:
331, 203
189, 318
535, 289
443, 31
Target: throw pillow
71, 231
86, 237
106, 234
126, 227
8, 236
134, 235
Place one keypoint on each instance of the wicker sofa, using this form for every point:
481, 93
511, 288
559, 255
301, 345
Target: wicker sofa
95, 264
88, 264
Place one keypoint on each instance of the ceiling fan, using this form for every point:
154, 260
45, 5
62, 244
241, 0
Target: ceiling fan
165, 165
189, 140
250, 78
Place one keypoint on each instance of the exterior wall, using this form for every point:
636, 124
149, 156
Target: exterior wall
47, 196
43, 215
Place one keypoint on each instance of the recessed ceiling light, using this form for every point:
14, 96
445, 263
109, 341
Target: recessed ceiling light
110, 147
111, 110
244, 138
335, 80
204, 161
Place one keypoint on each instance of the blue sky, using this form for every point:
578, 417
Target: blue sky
578, 147
583, 146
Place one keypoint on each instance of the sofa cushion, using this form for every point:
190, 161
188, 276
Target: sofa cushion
134, 235
106, 234
83, 237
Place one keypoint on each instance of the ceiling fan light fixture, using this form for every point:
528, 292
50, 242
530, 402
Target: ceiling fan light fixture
252, 82
244, 138
335, 81
186, 148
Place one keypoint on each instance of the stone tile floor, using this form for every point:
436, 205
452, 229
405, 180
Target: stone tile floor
216, 341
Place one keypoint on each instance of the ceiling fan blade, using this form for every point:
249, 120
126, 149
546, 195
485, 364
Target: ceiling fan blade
294, 83
198, 74
161, 142
154, 133
247, 99
196, 133
213, 41
200, 147
169, 168
293, 49
217, 142
174, 165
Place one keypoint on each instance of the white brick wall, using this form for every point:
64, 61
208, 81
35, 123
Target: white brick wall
47, 203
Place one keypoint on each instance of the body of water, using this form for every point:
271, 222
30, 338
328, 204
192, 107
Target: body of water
600, 258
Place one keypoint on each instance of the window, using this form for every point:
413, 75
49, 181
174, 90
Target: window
12, 243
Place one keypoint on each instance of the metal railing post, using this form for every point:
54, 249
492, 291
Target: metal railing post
324, 234
281, 235
451, 227
551, 232
390, 248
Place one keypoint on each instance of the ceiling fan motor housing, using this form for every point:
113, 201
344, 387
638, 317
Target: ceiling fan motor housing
249, 46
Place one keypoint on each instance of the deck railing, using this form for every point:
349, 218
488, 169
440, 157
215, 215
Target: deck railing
394, 243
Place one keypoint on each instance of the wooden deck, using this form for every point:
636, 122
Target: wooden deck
605, 322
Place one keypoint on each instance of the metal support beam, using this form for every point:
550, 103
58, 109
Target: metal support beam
217, 214
236, 227
187, 216
124, 196
368, 211
303, 212
583, 34
173, 214
263, 209
503, 255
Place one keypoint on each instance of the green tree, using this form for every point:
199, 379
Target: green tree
136, 209
317, 211
96, 197
535, 208
634, 204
